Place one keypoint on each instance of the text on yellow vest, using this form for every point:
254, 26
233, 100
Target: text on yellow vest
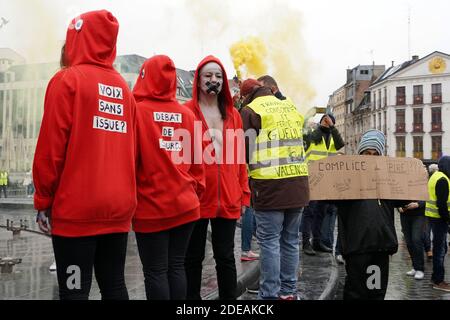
279, 152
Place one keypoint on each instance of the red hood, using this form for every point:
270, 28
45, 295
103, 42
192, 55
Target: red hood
157, 80
91, 39
225, 90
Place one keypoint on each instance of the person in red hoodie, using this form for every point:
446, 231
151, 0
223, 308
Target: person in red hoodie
84, 165
227, 192
169, 183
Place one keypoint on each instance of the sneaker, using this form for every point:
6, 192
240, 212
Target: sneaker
340, 259
52, 267
320, 247
307, 249
289, 298
249, 256
443, 286
419, 275
411, 273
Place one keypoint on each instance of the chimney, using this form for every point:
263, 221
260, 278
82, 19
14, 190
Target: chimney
393, 62
415, 58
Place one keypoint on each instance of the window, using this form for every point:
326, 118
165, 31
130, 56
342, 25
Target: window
436, 93
379, 121
436, 121
436, 147
385, 97
418, 95
40, 109
374, 100
400, 121
401, 147
1, 113
364, 71
379, 99
401, 96
418, 120
385, 123
418, 147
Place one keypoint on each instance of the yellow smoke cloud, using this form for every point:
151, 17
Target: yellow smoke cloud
281, 52
40, 28
249, 57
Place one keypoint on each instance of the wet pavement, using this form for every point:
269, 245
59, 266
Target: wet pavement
319, 277
32, 280
401, 286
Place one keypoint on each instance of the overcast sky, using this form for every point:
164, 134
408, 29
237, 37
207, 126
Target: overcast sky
334, 35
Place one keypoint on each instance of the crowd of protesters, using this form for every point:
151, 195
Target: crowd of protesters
110, 160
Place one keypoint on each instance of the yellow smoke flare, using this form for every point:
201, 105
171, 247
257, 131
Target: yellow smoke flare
280, 52
249, 57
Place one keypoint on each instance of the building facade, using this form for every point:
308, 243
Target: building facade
411, 102
337, 106
358, 82
22, 92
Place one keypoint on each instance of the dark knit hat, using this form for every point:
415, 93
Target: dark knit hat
248, 86
331, 117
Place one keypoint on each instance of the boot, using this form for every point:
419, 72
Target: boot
307, 249
318, 246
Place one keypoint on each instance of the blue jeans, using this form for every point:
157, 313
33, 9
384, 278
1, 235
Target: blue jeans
440, 229
248, 229
278, 238
427, 236
312, 219
328, 225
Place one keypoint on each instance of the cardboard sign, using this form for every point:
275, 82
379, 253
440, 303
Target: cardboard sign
368, 177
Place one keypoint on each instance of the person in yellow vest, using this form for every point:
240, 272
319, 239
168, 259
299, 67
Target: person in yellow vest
323, 142
271, 83
437, 210
3, 183
279, 183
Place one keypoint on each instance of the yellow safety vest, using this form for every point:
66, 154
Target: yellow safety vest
432, 210
319, 151
279, 152
3, 179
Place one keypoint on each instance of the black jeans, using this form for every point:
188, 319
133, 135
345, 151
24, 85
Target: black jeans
312, 219
76, 257
412, 228
360, 274
3, 189
440, 230
162, 255
222, 238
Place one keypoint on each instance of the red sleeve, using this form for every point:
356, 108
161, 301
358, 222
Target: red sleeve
197, 170
241, 154
54, 134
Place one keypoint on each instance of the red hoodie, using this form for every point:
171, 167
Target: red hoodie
226, 183
168, 191
84, 165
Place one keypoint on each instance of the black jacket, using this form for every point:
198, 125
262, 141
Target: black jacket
419, 212
442, 189
322, 132
368, 226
